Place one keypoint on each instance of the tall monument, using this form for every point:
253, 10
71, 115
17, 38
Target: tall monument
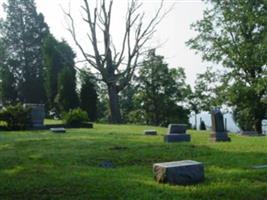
219, 134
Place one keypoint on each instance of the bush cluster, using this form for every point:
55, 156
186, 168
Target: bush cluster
75, 117
16, 117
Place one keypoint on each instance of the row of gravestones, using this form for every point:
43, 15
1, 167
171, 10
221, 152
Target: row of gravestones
179, 172
186, 171
177, 132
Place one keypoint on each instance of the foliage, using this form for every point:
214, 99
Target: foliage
23, 33
67, 97
60, 80
207, 90
234, 35
8, 82
130, 104
160, 91
75, 117
17, 117
88, 95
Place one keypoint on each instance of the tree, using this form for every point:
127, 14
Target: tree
23, 33
8, 87
129, 102
162, 91
233, 34
67, 97
115, 66
53, 64
206, 94
88, 95
58, 56
208, 90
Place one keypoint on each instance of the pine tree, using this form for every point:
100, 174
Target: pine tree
88, 95
67, 97
23, 34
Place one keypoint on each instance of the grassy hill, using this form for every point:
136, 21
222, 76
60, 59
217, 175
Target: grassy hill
43, 165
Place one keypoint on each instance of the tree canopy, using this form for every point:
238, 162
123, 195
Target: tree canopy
23, 32
234, 35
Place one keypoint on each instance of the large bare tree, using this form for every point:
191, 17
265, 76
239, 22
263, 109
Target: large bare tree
116, 66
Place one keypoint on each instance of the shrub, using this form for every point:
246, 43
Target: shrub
16, 117
202, 125
75, 117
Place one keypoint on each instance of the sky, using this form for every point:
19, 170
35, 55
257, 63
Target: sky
171, 35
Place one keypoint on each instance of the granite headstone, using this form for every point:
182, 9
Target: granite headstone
219, 134
177, 133
37, 114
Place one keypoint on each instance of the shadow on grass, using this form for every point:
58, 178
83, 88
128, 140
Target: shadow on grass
58, 170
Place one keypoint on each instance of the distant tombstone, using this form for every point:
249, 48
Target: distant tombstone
58, 130
219, 134
107, 164
150, 132
177, 133
37, 114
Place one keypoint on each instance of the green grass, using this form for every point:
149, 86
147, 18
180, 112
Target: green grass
43, 165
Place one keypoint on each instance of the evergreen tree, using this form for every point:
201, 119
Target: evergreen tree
67, 97
57, 56
8, 82
88, 95
23, 33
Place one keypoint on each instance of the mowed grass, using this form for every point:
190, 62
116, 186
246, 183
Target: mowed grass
43, 165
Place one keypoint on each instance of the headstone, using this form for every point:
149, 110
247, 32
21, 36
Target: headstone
179, 173
249, 133
177, 133
259, 166
150, 132
219, 134
37, 114
58, 130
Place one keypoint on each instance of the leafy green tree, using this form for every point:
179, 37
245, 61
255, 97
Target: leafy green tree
23, 33
53, 64
59, 57
234, 34
208, 90
161, 90
88, 95
67, 97
128, 100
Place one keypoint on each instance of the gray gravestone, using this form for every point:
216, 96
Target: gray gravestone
219, 134
37, 114
179, 173
177, 129
177, 133
150, 132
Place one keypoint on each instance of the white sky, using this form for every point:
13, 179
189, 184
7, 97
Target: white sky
172, 33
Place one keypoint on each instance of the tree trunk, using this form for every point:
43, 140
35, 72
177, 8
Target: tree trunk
114, 104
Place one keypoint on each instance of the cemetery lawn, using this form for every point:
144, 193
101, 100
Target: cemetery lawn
43, 165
